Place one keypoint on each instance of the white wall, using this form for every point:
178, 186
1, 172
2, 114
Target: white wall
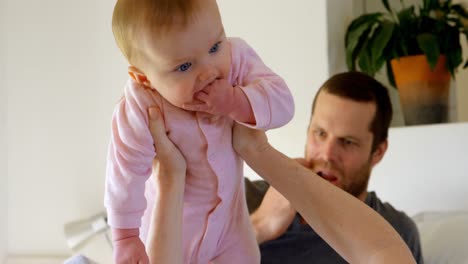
65, 75
425, 168
3, 142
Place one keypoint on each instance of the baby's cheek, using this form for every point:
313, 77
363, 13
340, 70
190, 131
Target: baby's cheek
171, 98
174, 96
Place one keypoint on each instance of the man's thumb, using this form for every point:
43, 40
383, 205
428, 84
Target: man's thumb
156, 124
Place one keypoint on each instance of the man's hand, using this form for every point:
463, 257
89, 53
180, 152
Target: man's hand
130, 251
164, 240
273, 217
169, 161
245, 140
221, 98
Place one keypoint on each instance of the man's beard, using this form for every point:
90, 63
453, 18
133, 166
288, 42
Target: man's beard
359, 181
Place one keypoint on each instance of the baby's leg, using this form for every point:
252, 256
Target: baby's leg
238, 244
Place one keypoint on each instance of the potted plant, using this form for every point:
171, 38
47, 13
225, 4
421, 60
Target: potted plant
420, 46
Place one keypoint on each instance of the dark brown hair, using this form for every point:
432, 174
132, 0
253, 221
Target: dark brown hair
360, 87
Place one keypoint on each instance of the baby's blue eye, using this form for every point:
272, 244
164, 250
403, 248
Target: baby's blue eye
215, 47
184, 66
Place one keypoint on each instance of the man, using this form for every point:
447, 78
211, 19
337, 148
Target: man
353, 229
346, 138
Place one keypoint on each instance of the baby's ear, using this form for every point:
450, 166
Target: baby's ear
138, 76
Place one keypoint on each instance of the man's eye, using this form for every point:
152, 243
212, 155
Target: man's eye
215, 48
319, 133
184, 66
347, 142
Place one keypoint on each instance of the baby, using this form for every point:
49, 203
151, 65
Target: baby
202, 82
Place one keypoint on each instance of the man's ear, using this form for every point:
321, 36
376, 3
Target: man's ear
138, 76
379, 152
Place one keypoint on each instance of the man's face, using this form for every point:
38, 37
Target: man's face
339, 143
186, 60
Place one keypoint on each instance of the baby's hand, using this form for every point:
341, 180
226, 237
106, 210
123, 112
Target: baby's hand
217, 99
130, 251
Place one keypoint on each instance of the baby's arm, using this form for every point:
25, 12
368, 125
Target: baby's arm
128, 248
269, 96
129, 163
221, 98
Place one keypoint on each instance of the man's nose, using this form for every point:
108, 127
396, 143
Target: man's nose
329, 151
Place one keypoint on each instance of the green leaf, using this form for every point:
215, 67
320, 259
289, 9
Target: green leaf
365, 60
427, 4
392, 50
372, 57
360, 21
453, 50
381, 39
378, 63
356, 34
460, 10
357, 51
353, 41
390, 76
466, 65
430, 4
387, 5
454, 59
445, 5
428, 43
403, 46
456, 21
406, 15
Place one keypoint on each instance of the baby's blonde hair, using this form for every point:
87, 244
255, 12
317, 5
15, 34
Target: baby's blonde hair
132, 18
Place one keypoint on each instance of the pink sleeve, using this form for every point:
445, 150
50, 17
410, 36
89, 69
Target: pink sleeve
129, 160
268, 94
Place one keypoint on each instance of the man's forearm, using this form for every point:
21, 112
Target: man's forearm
259, 227
358, 233
165, 234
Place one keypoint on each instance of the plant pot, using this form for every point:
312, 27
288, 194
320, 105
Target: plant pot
424, 93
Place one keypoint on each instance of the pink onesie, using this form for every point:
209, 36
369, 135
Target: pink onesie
216, 225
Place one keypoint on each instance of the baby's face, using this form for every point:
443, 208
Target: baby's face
183, 62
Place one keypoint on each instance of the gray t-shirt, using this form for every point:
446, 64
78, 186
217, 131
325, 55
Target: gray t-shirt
300, 244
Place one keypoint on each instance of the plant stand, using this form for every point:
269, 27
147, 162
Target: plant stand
424, 93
